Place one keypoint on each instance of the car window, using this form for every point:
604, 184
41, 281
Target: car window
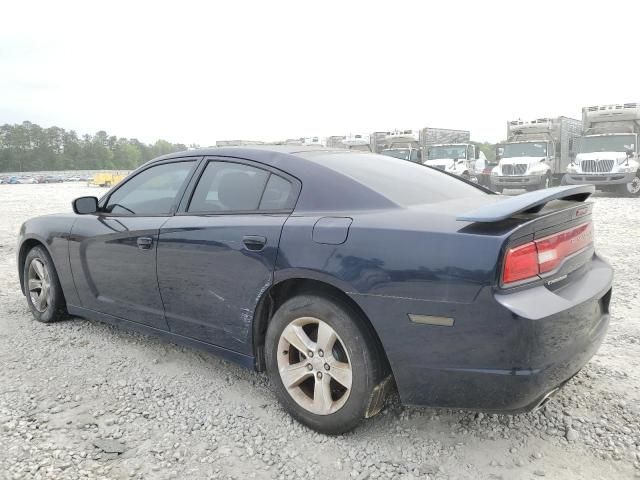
151, 192
404, 183
228, 187
278, 195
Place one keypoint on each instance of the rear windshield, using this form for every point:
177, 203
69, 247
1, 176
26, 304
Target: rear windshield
404, 183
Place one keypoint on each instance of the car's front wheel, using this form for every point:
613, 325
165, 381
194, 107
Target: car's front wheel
324, 363
42, 287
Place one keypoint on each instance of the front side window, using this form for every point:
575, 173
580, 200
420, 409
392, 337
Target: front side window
151, 192
236, 187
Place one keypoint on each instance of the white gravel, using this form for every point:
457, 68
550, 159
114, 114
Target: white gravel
81, 399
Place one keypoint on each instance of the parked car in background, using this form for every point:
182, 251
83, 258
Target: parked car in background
340, 273
53, 179
27, 180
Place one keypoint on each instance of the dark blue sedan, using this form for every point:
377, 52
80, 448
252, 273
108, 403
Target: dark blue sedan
342, 274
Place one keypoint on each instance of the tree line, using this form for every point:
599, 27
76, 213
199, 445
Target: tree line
28, 147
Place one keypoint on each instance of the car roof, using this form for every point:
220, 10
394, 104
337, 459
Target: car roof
324, 188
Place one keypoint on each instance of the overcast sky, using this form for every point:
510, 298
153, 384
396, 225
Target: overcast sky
200, 72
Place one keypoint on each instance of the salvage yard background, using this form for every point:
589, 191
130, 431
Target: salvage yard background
80, 399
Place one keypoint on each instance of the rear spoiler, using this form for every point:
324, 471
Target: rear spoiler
531, 202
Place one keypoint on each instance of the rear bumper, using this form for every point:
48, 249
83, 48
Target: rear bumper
505, 352
599, 179
516, 181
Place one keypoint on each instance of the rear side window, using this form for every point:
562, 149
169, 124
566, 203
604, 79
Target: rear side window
228, 187
277, 195
404, 183
236, 187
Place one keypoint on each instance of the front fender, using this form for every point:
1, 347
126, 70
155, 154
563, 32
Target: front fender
52, 232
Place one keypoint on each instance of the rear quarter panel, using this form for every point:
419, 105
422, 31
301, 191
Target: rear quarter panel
398, 262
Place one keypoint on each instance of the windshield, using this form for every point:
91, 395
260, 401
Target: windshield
525, 149
455, 152
401, 153
607, 143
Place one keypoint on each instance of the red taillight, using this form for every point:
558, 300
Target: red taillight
521, 263
555, 248
545, 254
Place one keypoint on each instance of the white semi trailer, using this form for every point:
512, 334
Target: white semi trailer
450, 150
536, 153
607, 152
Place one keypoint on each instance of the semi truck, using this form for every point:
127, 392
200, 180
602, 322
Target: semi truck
358, 141
607, 152
451, 151
536, 153
403, 144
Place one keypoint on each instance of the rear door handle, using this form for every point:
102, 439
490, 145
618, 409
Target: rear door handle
144, 243
254, 242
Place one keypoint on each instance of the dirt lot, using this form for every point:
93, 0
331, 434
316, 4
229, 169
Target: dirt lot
80, 399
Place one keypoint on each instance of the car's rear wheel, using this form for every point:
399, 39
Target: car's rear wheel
324, 363
42, 287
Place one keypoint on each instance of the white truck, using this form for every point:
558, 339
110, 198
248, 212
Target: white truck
403, 144
607, 152
358, 141
451, 151
536, 153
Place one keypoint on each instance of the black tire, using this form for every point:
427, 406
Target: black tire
55, 308
497, 189
361, 347
631, 189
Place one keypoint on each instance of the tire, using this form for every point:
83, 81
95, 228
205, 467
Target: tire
497, 189
38, 266
355, 355
632, 189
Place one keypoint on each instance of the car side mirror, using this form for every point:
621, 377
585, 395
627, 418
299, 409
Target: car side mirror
629, 152
85, 205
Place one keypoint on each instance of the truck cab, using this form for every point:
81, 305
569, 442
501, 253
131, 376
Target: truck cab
607, 154
526, 164
459, 159
536, 153
403, 144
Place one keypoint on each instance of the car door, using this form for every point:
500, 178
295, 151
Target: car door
113, 252
217, 255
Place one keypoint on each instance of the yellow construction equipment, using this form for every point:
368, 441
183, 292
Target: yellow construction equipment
106, 179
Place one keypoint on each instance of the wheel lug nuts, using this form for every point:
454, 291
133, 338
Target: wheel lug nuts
326, 366
319, 375
309, 366
309, 354
320, 353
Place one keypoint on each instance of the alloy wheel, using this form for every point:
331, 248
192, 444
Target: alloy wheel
39, 285
314, 365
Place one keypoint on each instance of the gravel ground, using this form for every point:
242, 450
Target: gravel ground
81, 399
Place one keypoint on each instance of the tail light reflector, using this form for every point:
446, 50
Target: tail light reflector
545, 254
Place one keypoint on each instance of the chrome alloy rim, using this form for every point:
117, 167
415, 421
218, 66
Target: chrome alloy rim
39, 285
633, 187
314, 365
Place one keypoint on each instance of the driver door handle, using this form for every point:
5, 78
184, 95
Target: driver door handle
144, 243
